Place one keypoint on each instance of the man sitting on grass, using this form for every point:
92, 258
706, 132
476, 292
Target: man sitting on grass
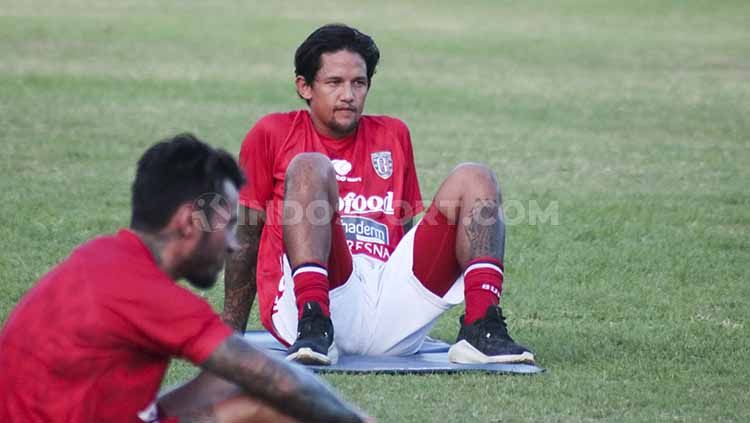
91, 341
328, 209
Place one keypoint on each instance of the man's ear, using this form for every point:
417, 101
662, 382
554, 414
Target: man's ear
303, 88
187, 222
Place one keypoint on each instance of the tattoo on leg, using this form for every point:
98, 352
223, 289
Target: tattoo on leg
482, 227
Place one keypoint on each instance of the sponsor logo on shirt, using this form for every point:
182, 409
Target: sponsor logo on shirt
353, 203
342, 168
379, 251
365, 230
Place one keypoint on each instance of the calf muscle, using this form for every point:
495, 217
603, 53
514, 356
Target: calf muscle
483, 229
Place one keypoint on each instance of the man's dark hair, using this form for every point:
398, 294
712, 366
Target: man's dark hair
175, 171
330, 39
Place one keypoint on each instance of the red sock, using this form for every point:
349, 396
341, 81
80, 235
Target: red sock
483, 283
311, 284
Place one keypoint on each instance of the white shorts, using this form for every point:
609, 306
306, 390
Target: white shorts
382, 309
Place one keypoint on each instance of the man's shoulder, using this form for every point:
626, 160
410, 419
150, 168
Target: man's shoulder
386, 122
277, 122
110, 246
117, 261
98, 250
387, 130
269, 131
120, 266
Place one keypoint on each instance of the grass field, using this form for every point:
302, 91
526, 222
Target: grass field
627, 123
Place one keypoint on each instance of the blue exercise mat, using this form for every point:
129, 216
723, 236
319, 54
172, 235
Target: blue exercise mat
431, 358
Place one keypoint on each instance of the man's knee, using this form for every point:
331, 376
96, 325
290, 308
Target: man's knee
468, 181
476, 175
310, 168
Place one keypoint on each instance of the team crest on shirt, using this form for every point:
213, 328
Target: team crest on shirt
382, 162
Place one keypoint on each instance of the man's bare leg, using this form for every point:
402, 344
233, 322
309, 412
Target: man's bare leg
470, 198
310, 200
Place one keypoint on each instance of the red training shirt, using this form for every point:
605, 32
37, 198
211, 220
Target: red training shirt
90, 342
377, 180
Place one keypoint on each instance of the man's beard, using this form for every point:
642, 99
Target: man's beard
202, 269
203, 281
343, 129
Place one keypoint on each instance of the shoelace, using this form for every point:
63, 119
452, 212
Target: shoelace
495, 324
314, 324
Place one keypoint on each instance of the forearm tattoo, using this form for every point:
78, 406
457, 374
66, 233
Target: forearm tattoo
239, 277
485, 229
198, 416
290, 388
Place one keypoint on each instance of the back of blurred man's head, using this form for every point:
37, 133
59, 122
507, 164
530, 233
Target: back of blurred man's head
176, 171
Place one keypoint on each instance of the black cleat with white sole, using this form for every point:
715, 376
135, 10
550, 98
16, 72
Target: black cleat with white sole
314, 344
487, 341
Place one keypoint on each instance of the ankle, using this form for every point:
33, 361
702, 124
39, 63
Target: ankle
311, 285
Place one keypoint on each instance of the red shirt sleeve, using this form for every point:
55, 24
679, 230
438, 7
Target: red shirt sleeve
257, 161
412, 194
167, 319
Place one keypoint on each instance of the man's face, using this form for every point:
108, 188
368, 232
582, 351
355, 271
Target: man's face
337, 96
218, 239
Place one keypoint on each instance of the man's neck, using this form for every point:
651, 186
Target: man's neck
326, 132
158, 245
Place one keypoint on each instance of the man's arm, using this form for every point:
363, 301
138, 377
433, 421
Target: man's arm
208, 398
286, 386
239, 276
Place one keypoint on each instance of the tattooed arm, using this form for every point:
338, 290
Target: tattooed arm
207, 398
239, 276
285, 386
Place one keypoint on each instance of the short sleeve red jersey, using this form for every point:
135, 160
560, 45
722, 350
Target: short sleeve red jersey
91, 341
378, 186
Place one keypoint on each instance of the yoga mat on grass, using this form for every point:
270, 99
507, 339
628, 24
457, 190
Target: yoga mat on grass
431, 358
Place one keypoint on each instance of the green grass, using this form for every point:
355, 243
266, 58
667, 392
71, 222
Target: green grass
630, 119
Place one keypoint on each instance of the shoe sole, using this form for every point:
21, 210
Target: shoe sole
309, 357
463, 352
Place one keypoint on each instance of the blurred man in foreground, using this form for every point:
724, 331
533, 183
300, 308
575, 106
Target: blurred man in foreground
91, 341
